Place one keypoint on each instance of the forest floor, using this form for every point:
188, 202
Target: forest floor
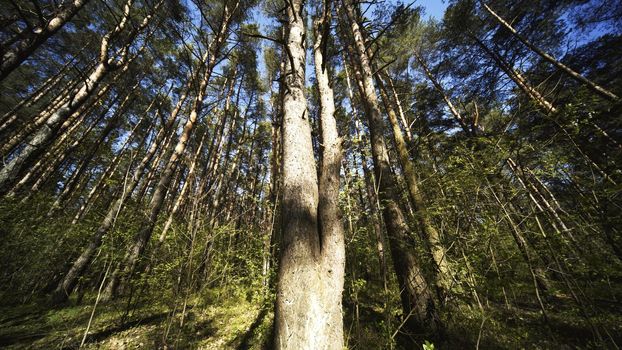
234, 322
228, 323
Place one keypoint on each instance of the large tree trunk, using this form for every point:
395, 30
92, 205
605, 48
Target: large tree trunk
299, 311
311, 271
332, 233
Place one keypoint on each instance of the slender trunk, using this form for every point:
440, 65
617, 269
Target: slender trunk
18, 136
440, 89
141, 239
417, 301
543, 204
539, 281
37, 142
11, 117
65, 131
569, 71
84, 163
370, 191
517, 78
184, 189
101, 184
402, 115
52, 159
69, 281
437, 250
12, 58
538, 275
40, 139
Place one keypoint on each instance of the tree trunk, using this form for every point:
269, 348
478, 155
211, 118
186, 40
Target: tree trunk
518, 79
417, 301
37, 142
12, 58
311, 270
332, 233
68, 283
437, 250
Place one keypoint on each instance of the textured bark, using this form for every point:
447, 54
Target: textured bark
310, 277
332, 233
417, 301
299, 308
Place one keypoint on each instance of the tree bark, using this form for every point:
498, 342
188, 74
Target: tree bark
311, 271
332, 233
299, 310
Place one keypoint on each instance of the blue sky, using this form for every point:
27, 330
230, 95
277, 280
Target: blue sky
433, 8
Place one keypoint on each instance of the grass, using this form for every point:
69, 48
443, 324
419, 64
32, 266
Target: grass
219, 319
234, 324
